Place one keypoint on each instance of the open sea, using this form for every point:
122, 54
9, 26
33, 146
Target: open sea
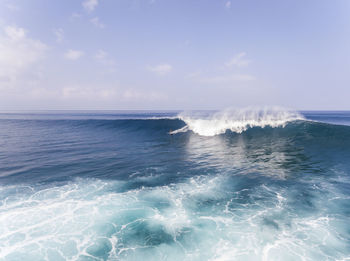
251, 184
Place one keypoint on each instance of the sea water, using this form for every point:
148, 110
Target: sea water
252, 184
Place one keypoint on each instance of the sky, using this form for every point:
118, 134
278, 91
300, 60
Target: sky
174, 54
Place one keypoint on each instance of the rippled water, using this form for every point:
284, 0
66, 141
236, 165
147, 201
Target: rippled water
117, 186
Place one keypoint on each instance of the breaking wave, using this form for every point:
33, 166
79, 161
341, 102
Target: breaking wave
236, 120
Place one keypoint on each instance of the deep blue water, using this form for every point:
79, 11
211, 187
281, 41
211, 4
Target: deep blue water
111, 185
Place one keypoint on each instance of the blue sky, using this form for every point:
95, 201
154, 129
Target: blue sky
167, 54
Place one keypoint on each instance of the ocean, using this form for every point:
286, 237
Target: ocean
250, 184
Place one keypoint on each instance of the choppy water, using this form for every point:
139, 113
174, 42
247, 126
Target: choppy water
234, 185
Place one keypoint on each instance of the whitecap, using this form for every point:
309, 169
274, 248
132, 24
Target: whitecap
236, 121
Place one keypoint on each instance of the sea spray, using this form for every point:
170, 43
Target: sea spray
236, 120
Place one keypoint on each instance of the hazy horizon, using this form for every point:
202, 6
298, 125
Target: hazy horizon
155, 110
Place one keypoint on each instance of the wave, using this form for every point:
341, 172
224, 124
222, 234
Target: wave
236, 121
203, 123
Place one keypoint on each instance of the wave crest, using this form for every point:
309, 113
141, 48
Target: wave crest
236, 120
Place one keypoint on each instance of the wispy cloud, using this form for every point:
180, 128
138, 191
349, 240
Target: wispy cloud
75, 16
226, 79
88, 92
238, 60
96, 22
228, 4
224, 76
12, 7
59, 33
18, 53
90, 5
101, 55
160, 69
103, 58
15, 33
138, 95
73, 54
93, 92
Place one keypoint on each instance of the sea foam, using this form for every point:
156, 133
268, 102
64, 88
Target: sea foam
198, 219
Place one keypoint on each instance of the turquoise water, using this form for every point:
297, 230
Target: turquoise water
232, 185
